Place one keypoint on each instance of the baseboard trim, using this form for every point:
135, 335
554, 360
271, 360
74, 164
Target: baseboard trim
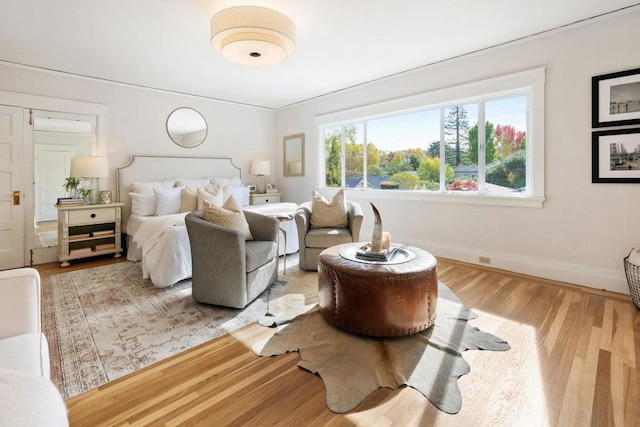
577, 274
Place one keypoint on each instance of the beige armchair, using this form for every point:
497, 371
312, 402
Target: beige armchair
312, 241
226, 269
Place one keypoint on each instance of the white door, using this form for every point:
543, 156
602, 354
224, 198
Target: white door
52, 164
11, 188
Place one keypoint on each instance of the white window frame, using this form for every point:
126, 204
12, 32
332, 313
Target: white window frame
531, 81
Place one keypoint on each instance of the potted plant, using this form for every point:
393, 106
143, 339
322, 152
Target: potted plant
71, 185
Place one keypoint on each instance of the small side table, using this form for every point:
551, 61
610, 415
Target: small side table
284, 218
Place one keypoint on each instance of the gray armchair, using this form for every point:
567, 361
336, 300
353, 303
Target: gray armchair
314, 240
226, 269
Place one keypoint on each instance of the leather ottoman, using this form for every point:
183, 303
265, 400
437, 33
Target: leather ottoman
378, 299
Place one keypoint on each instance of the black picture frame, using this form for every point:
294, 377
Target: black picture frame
615, 156
615, 99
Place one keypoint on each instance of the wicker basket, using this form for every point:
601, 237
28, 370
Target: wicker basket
633, 279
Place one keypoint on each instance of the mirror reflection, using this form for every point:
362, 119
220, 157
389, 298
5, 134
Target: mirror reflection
55, 142
294, 155
186, 127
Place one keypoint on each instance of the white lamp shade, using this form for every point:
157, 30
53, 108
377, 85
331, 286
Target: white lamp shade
89, 167
260, 167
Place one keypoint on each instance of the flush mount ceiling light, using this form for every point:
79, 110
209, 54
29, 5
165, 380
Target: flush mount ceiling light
252, 35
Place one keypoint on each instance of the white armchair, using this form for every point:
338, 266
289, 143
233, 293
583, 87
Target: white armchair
27, 395
23, 346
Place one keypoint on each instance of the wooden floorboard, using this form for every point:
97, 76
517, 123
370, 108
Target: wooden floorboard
573, 362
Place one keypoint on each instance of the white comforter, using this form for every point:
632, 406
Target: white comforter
166, 254
164, 243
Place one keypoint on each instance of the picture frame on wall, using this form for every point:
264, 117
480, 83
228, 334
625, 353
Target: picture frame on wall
615, 99
616, 156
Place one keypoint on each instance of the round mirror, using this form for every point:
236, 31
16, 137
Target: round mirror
186, 127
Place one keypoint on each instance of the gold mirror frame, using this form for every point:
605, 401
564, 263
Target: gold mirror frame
187, 127
293, 155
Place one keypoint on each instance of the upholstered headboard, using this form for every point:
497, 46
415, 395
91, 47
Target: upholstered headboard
146, 168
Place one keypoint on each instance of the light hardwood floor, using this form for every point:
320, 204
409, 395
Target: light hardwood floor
572, 363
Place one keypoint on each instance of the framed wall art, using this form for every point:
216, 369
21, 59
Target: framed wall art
615, 99
615, 156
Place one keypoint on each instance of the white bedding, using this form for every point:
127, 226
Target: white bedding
163, 247
162, 243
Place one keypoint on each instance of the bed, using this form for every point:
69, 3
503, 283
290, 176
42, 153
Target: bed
160, 242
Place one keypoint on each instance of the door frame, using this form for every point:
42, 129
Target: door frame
44, 103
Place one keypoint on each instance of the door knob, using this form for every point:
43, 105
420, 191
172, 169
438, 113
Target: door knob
16, 198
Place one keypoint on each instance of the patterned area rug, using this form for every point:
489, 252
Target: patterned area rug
353, 366
105, 322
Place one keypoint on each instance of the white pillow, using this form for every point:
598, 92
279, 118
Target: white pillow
240, 193
221, 182
211, 195
143, 204
330, 214
193, 184
168, 200
147, 187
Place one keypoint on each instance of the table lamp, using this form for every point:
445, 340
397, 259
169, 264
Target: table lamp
91, 168
260, 168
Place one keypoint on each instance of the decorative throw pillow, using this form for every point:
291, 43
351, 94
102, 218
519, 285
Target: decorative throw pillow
211, 194
189, 201
143, 204
168, 200
230, 215
329, 214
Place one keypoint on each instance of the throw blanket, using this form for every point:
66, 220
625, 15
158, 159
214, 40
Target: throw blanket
151, 232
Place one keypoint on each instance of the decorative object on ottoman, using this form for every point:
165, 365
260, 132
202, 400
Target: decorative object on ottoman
380, 247
383, 299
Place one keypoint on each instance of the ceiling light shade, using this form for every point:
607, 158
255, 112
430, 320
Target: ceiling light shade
252, 35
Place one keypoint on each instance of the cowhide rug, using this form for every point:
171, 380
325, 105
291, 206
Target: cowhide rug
353, 366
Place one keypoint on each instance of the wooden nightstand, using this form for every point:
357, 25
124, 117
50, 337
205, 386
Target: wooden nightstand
89, 230
263, 198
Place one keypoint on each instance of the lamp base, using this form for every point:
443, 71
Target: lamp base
261, 184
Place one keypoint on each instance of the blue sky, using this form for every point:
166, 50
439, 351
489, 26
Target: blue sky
423, 127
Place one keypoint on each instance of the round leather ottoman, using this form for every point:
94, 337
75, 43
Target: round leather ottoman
378, 299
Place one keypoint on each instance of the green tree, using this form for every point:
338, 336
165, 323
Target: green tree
333, 147
456, 131
511, 172
373, 155
490, 153
407, 180
429, 170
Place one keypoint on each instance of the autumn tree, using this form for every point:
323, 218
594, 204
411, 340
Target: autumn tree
509, 140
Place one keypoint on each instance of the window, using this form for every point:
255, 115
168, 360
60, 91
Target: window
481, 146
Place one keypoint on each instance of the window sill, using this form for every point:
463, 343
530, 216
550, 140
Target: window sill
450, 197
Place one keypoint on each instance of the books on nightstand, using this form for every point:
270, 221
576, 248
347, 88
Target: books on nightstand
70, 201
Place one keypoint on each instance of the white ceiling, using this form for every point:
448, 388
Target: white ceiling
164, 44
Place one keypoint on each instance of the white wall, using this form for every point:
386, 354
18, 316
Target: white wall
137, 118
583, 230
